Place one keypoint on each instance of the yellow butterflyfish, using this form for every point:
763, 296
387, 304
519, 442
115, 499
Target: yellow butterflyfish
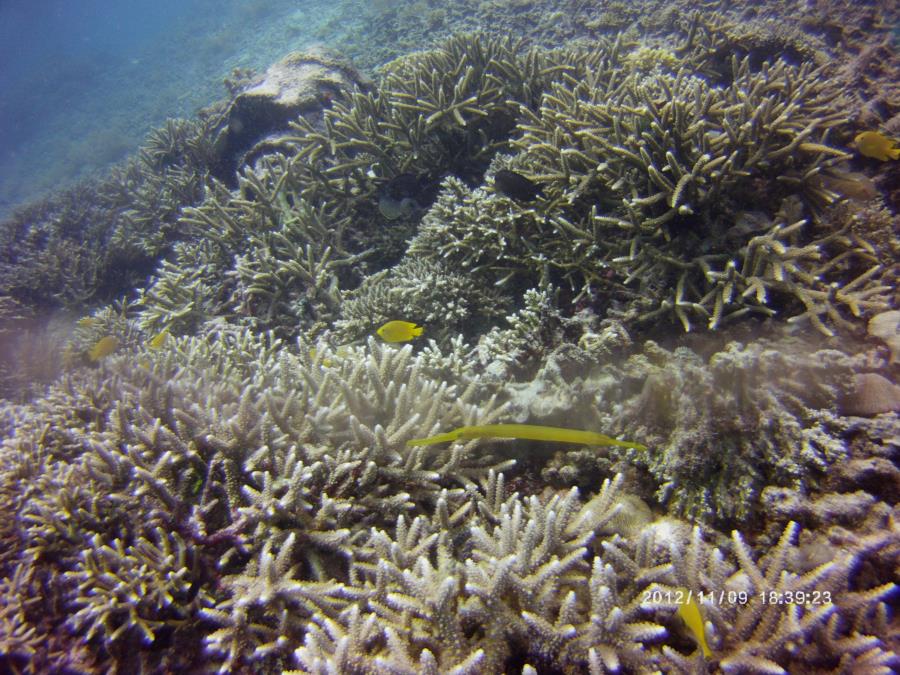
689, 612
399, 331
104, 347
530, 432
876, 145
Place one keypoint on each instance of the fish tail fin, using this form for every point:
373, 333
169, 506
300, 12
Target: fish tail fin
894, 153
417, 330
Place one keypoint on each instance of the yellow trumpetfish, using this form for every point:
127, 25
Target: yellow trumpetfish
531, 432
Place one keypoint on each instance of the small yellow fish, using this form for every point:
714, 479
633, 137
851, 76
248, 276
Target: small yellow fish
158, 340
314, 354
104, 347
689, 612
876, 145
399, 331
86, 322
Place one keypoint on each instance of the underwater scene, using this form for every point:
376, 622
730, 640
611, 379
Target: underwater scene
476, 337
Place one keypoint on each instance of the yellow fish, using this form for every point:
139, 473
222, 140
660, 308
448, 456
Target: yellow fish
104, 347
529, 432
876, 145
689, 612
399, 331
86, 322
157, 341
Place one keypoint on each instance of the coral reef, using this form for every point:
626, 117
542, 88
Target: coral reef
424, 292
433, 113
167, 504
95, 241
720, 426
233, 488
286, 275
282, 247
651, 183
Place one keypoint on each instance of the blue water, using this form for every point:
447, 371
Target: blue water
84, 81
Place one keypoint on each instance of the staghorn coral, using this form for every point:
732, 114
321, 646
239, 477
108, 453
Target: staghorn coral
168, 173
233, 503
280, 249
435, 112
424, 292
51, 252
140, 588
773, 615
484, 235
185, 293
420, 610
178, 469
265, 255
265, 503
646, 178
94, 241
502, 351
523, 582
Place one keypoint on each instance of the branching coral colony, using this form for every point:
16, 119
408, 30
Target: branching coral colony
651, 180
257, 509
652, 183
237, 503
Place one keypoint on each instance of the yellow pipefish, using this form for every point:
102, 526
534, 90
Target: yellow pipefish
689, 612
531, 432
